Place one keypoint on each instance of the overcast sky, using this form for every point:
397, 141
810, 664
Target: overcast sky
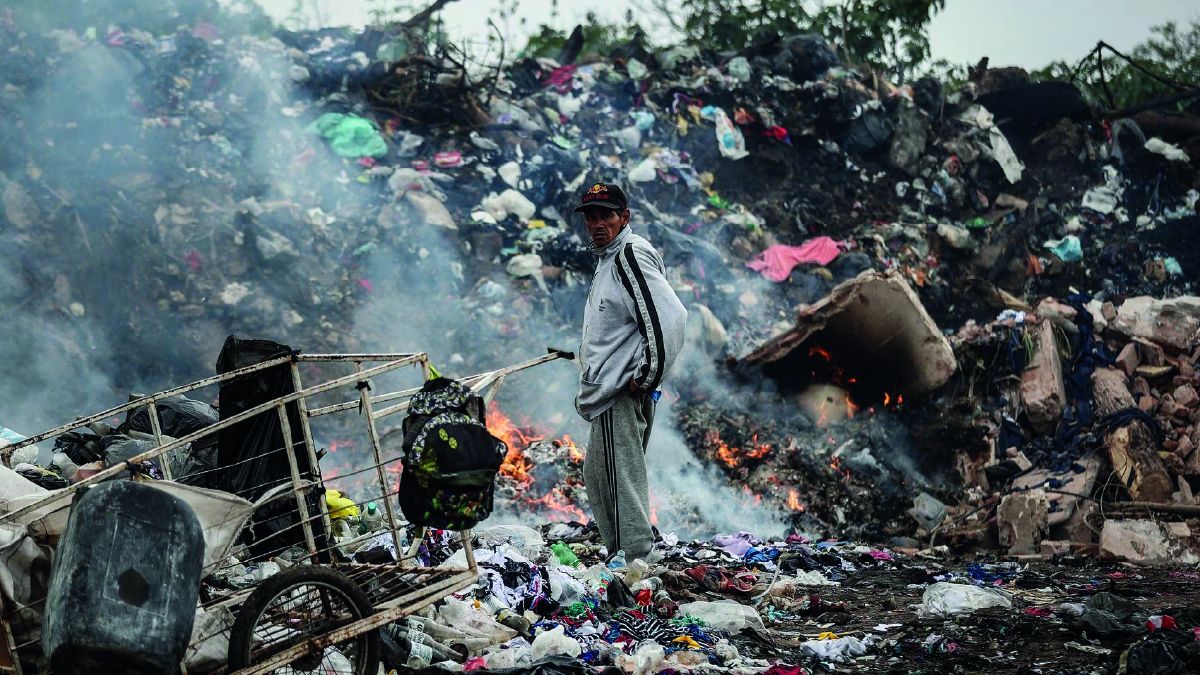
1026, 33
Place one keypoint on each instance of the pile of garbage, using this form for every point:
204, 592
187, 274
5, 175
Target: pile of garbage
547, 601
944, 320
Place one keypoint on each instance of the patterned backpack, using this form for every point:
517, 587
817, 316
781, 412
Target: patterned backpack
450, 458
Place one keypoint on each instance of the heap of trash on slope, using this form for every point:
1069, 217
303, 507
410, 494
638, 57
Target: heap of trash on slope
923, 317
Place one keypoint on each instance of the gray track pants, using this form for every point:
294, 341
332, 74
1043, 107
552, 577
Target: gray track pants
614, 473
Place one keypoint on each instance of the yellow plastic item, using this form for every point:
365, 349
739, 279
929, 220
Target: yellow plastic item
827, 635
339, 506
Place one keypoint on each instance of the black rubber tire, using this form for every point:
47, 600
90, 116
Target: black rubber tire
241, 635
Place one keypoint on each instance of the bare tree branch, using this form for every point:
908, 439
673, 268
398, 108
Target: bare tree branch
423, 15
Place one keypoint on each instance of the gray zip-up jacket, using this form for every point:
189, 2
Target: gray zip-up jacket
633, 325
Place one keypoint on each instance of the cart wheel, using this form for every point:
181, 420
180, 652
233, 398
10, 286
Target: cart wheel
297, 605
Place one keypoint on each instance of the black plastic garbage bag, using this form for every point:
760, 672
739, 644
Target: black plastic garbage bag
804, 57
250, 454
1166, 652
178, 416
83, 446
1109, 616
871, 130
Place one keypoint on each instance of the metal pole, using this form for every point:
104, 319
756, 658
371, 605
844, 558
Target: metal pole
59, 495
137, 403
156, 429
302, 407
373, 434
465, 536
296, 484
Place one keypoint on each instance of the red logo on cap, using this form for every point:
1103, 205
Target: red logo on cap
597, 191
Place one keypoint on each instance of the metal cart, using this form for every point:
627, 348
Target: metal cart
317, 615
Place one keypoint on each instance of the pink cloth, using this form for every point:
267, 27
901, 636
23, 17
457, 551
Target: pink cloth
776, 262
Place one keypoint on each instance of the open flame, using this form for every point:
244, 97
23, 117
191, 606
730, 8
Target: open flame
515, 465
555, 504
733, 456
793, 500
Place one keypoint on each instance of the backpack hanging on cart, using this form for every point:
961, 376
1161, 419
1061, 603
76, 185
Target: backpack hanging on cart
450, 458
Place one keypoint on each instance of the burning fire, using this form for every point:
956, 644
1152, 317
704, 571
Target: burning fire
733, 456
793, 500
515, 465
890, 401
574, 454
556, 504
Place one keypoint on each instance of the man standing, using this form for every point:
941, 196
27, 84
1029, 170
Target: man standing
633, 328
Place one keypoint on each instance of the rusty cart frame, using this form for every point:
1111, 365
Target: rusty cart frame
395, 590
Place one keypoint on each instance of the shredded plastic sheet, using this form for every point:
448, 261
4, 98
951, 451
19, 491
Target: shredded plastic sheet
776, 262
999, 149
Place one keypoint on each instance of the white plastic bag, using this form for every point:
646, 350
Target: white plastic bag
837, 649
729, 616
644, 172
510, 173
553, 642
944, 599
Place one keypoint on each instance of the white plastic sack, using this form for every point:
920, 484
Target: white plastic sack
648, 659
837, 649
569, 105
1172, 152
209, 646
944, 599
509, 201
511, 657
525, 265
430, 210
729, 616
510, 173
554, 642
525, 540
644, 172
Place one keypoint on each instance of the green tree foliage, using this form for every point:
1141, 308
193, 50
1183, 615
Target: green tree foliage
887, 36
1167, 63
598, 37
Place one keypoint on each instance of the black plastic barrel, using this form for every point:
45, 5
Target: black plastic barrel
125, 582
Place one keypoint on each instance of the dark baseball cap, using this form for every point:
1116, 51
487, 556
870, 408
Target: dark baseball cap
603, 195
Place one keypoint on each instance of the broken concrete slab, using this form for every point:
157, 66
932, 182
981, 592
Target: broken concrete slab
1149, 542
1022, 521
1064, 505
1042, 391
877, 317
1172, 323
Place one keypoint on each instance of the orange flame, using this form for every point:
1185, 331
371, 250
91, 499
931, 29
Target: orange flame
793, 500
559, 507
574, 454
732, 456
515, 465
